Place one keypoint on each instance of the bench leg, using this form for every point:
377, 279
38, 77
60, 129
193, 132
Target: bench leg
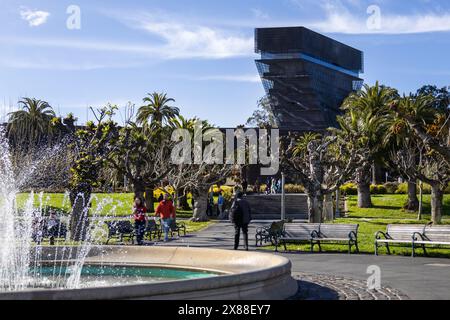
413, 254
285, 247
312, 246
424, 250
349, 247
357, 247
388, 249
376, 248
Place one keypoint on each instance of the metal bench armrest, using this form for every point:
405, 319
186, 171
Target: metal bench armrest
353, 236
418, 236
315, 234
379, 234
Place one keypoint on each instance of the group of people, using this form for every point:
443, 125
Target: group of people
212, 204
273, 186
240, 216
164, 211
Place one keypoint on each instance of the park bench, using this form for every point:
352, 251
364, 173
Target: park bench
153, 230
336, 234
177, 227
271, 233
119, 230
432, 236
55, 232
42, 231
399, 235
297, 233
316, 234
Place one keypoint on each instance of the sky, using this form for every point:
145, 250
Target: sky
79, 53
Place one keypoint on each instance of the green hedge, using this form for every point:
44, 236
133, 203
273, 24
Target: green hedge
351, 189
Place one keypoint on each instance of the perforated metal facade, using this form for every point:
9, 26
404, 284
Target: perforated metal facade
306, 75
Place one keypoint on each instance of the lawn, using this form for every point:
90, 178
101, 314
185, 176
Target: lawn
103, 204
387, 210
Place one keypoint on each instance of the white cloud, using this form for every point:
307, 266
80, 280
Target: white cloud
339, 19
182, 41
34, 17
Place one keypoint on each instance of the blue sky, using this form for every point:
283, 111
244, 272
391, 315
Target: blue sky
201, 52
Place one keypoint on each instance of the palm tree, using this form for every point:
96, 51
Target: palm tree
398, 131
364, 116
32, 122
156, 111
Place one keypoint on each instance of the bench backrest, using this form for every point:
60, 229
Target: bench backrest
404, 231
152, 225
120, 227
339, 231
300, 230
277, 227
438, 233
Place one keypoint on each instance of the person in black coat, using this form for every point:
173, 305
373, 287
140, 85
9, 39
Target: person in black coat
240, 216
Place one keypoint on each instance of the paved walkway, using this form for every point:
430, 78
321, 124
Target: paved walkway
342, 276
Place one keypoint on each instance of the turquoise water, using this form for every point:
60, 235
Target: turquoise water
106, 276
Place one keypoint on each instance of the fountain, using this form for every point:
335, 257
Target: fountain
90, 270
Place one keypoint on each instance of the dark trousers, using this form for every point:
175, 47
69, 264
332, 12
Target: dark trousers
140, 231
237, 235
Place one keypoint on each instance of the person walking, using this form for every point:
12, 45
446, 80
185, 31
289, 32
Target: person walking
220, 203
240, 216
166, 212
140, 219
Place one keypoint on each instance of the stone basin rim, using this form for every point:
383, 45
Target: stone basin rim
242, 275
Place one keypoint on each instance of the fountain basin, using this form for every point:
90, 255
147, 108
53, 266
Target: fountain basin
234, 275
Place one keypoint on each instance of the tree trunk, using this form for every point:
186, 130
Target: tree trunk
200, 206
364, 197
149, 203
378, 174
363, 176
328, 208
79, 219
315, 208
413, 202
437, 196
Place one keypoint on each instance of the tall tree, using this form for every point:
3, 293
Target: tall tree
32, 123
156, 111
322, 165
90, 149
263, 117
363, 118
418, 107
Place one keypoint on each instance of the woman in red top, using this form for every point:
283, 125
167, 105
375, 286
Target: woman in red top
140, 219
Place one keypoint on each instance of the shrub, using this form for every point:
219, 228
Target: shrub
294, 188
378, 189
349, 189
391, 187
403, 188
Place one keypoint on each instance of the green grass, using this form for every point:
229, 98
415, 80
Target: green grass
387, 210
390, 207
107, 206
103, 204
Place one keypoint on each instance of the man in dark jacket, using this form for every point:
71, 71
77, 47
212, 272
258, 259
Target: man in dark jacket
240, 216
